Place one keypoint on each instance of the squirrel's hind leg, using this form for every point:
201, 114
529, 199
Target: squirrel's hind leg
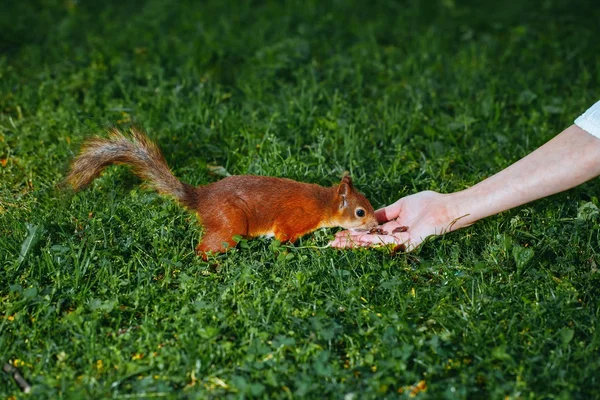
220, 230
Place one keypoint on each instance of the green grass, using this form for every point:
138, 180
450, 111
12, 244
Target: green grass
101, 294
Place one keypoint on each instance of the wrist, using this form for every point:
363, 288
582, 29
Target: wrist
462, 209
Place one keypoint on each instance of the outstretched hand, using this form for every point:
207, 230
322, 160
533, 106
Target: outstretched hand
569, 159
409, 221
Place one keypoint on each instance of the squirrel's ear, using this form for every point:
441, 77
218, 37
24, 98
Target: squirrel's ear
343, 190
348, 180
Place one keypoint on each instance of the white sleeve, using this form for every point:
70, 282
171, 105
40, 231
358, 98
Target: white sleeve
589, 121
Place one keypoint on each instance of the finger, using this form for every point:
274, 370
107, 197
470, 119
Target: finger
351, 232
369, 240
400, 242
384, 240
343, 233
345, 242
388, 213
380, 230
381, 215
351, 240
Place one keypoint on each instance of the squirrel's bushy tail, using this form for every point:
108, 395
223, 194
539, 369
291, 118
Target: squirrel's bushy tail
137, 151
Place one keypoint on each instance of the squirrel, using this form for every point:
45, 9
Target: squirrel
245, 205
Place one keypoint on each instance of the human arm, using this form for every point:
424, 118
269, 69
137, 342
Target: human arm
569, 159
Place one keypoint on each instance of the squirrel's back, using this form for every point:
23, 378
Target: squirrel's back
268, 202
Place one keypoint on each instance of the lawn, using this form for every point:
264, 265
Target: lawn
101, 294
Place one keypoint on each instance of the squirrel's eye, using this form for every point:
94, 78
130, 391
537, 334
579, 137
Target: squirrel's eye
360, 212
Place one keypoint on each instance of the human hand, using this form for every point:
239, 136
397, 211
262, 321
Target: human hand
408, 221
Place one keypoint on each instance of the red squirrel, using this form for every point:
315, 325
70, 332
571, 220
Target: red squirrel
244, 205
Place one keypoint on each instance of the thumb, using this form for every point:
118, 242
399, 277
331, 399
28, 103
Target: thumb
388, 213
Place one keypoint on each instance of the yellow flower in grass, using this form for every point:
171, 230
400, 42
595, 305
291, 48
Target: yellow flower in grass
415, 389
